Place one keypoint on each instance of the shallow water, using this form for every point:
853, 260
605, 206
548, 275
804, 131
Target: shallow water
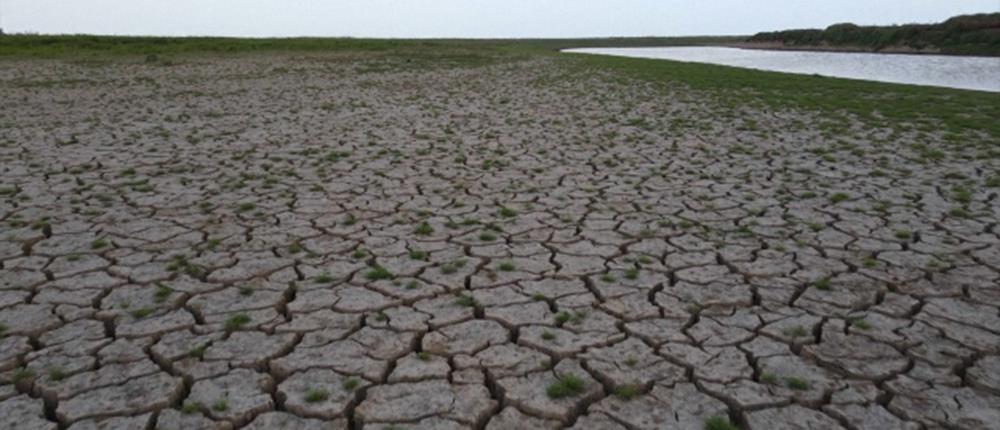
973, 73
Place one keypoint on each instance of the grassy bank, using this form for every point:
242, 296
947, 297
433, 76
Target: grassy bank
960, 35
963, 115
875, 103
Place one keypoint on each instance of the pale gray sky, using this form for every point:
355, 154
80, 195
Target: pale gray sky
463, 18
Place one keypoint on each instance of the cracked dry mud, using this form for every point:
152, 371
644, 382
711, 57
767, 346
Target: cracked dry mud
333, 242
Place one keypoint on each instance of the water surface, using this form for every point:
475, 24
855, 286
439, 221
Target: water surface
972, 73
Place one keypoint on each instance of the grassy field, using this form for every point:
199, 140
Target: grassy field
962, 116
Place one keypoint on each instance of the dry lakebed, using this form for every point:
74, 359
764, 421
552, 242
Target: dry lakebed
489, 236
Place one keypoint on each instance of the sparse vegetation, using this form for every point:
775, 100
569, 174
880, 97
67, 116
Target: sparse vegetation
376, 273
316, 395
627, 392
350, 384
424, 229
567, 385
719, 423
796, 383
465, 300
141, 313
220, 405
236, 321
839, 197
191, 408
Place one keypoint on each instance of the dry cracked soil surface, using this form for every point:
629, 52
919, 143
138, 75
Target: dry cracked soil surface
338, 242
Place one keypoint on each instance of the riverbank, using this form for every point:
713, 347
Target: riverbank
775, 46
976, 35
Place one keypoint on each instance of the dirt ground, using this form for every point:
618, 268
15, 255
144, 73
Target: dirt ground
331, 242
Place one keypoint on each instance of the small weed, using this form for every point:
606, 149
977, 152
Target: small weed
627, 392
220, 405
632, 273
575, 317
316, 395
198, 351
903, 234
191, 408
839, 197
506, 212
98, 244
234, 322
161, 294
418, 255
719, 423
323, 278
567, 385
797, 331
562, 317
57, 374
860, 323
465, 300
823, 284
962, 195
141, 313
506, 267
769, 378
487, 236
22, 374
959, 212
797, 384
424, 229
452, 268
246, 207
378, 273
350, 384
548, 335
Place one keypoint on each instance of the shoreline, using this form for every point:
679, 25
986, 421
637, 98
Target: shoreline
897, 50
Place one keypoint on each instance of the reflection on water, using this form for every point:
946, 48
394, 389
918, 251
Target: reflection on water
974, 73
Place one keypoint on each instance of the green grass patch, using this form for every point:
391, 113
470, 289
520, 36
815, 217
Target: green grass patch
568, 385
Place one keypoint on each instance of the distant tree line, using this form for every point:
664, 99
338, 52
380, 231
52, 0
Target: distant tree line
965, 34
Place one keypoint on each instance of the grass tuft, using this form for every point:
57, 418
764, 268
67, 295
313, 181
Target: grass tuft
719, 423
568, 385
316, 395
236, 322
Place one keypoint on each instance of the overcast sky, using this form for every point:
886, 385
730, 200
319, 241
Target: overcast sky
463, 18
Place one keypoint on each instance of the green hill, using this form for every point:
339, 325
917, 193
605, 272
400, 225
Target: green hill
961, 35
